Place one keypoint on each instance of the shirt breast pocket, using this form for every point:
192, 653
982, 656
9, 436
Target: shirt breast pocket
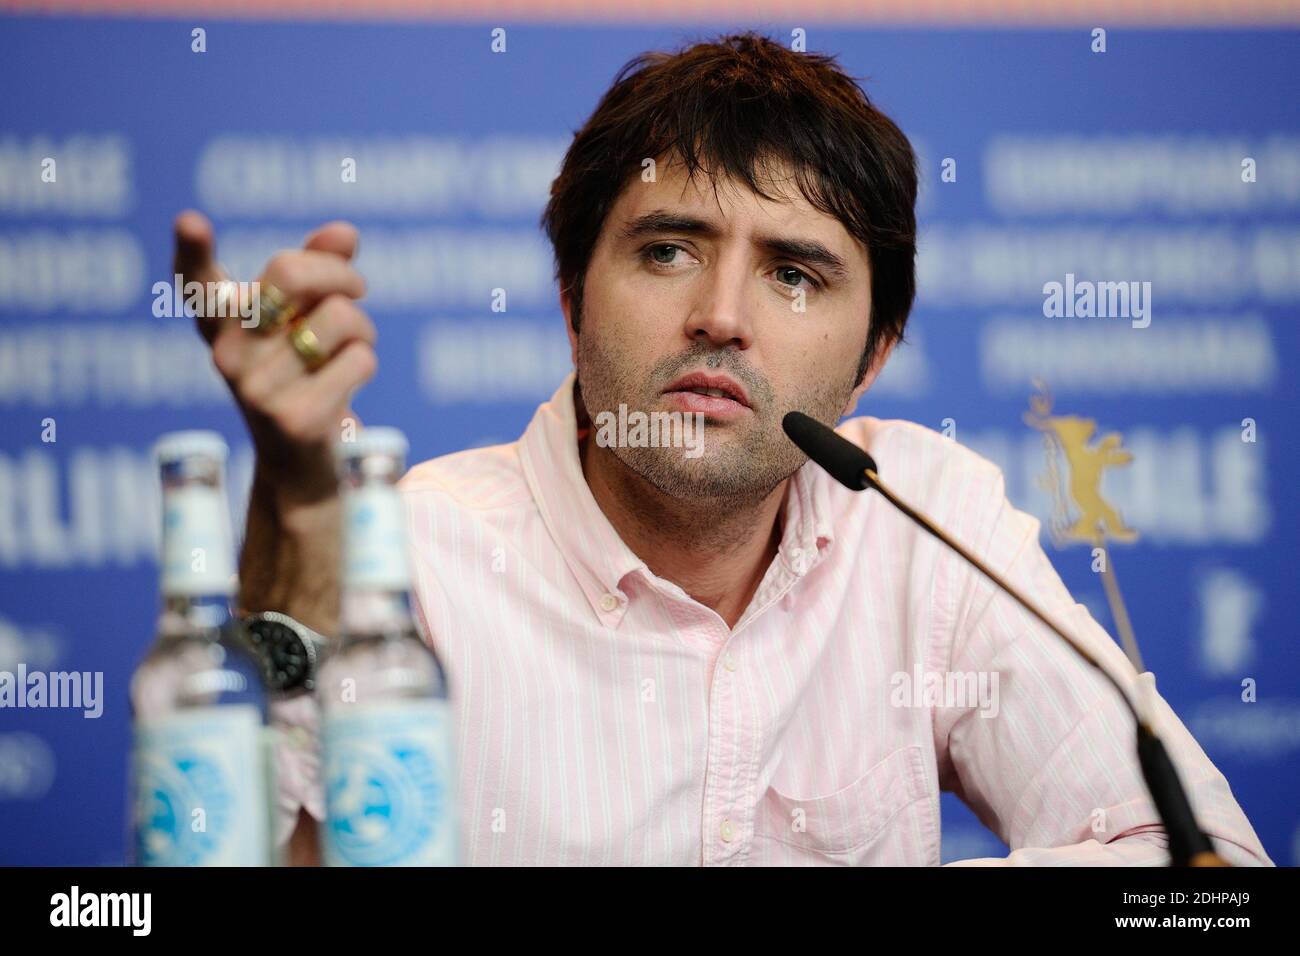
885, 817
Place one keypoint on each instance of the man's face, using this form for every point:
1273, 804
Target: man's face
769, 300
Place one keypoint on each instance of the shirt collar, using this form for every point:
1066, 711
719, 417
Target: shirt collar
807, 531
594, 552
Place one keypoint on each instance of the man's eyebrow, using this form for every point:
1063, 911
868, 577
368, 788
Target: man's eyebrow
805, 250
661, 221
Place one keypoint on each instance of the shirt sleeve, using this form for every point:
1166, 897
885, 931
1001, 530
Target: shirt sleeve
1048, 760
295, 722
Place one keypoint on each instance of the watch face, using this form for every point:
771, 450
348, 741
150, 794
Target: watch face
288, 659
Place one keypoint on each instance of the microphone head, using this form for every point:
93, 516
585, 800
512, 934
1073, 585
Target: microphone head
843, 460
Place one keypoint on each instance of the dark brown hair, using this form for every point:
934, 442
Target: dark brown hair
728, 107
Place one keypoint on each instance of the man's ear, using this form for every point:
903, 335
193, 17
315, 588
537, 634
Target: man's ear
566, 305
869, 376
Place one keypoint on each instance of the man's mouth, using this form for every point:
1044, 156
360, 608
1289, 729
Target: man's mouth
717, 396
711, 385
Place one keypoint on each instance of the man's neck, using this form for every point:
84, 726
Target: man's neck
717, 551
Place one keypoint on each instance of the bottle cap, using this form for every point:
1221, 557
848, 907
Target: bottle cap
178, 446
377, 440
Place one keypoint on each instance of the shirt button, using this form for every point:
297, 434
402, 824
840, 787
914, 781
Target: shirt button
608, 602
728, 661
727, 831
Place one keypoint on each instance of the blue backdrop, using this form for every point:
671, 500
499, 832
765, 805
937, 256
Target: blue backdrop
1171, 158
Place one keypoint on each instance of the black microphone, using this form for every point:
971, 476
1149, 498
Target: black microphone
844, 461
856, 470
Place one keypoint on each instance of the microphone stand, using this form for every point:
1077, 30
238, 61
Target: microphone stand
1188, 845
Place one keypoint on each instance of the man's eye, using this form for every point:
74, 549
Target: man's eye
654, 251
665, 253
789, 275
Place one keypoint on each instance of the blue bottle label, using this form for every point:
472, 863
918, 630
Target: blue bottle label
200, 789
390, 786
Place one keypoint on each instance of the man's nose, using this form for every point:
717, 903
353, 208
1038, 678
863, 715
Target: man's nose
723, 314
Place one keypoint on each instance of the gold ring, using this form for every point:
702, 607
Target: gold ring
307, 345
274, 310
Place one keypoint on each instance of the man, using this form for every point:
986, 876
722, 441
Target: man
719, 658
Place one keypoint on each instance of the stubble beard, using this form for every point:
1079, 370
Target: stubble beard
742, 462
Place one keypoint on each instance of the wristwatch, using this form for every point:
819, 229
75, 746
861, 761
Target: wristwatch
291, 652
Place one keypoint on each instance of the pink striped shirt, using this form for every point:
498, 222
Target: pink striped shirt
605, 717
